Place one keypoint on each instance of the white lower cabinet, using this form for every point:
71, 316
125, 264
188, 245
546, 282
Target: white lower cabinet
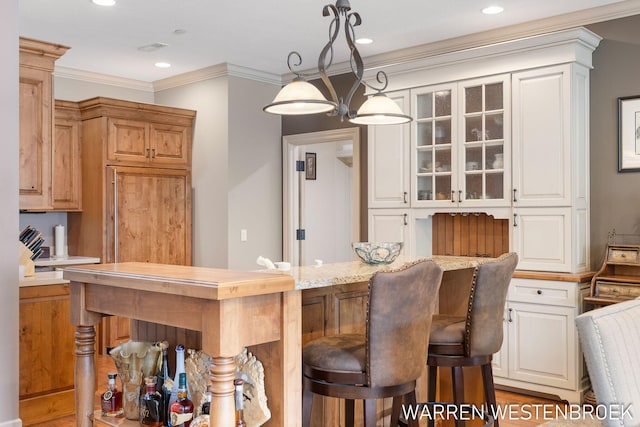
542, 239
540, 350
390, 225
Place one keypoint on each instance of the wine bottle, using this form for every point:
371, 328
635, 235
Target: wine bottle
151, 409
111, 399
206, 405
164, 379
182, 408
179, 370
239, 401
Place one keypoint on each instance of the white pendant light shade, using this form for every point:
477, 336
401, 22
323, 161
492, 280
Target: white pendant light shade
380, 110
299, 97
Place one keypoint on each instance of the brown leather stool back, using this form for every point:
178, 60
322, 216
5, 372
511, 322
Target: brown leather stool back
401, 304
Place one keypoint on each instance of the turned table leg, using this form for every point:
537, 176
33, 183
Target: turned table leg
85, 375
222, 372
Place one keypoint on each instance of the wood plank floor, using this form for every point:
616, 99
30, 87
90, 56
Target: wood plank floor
105, 364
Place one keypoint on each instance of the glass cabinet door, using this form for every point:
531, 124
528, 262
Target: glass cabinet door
434, 142
485, 134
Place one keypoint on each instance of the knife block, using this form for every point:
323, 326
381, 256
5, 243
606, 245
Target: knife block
25, 259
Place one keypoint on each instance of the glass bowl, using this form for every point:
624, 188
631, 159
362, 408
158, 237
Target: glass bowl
377, 253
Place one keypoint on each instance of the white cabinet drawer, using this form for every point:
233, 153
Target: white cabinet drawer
543, 292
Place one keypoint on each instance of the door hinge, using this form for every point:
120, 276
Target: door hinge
299, 165
300, 234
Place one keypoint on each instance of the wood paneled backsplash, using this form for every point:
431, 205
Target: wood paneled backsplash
469, 235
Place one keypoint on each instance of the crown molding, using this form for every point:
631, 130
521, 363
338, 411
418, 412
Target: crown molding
105, 79
215, 71
537, 27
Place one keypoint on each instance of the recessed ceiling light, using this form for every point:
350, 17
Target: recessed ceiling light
162, 64
104, 2
492, 10
364, 40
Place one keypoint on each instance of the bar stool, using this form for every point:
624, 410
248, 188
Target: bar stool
387, 360
459, 341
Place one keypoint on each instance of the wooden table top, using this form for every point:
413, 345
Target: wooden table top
198, 282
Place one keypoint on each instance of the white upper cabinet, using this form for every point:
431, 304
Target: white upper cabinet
541, 136
388, 157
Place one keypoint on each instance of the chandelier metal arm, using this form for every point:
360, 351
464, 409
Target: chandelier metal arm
323, 66
355, 59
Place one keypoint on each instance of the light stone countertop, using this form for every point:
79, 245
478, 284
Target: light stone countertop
310, 277
44, 278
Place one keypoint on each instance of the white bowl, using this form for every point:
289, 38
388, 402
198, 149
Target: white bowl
377, 253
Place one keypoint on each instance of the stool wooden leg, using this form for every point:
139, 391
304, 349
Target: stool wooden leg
431, 390
395, 411
370, 413
307, 403
348, 412
489, 389
458, 390
413, 403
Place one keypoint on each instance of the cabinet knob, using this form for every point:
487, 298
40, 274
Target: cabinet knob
539, 292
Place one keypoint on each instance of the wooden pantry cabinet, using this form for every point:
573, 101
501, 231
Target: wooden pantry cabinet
136, 174
37, 61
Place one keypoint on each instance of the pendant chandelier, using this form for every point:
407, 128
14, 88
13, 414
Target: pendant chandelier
301, 97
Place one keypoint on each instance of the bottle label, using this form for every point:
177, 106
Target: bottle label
107, 395
177, 419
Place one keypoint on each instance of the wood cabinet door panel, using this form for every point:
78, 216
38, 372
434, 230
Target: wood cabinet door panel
150, 215
46, 340
169, 145
128, 141
35, 139
66, 175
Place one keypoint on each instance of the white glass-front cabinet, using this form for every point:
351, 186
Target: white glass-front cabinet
388, 157
461, 144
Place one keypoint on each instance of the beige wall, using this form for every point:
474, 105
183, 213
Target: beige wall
9, 214
615, 197
209, 173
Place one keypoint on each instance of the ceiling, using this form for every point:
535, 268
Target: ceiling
257, 34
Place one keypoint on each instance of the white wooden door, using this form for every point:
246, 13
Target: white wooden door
542, 238
542, 345
388, 160
542, 137
390, 225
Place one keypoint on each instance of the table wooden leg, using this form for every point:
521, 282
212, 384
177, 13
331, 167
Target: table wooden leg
222, 372
85, 373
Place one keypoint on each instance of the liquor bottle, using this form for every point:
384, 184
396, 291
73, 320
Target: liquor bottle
182, 409
206, 405
151, 409
174, 389
164, 379
239, 398
111, 399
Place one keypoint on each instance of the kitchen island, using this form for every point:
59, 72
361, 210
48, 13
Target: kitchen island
231, 310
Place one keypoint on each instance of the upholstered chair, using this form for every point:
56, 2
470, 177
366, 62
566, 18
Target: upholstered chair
610, 338
387, 360
471, 340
